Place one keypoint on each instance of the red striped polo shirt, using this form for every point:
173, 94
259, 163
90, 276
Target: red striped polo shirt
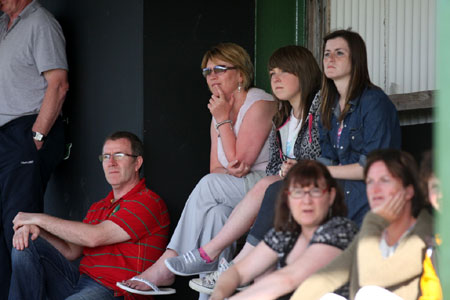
144, 216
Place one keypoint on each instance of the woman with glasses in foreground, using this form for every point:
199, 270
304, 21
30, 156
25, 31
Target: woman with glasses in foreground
241, 123
310, 230
389, 249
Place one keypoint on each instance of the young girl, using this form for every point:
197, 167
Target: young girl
356, 117
295, 137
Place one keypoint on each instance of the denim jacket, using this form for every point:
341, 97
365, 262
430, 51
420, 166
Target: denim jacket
371, 123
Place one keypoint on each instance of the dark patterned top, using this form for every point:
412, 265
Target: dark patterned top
306, 145
337, 232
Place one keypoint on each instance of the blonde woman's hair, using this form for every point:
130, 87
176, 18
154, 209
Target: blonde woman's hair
235, 55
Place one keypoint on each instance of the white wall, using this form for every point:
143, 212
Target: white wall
400, 36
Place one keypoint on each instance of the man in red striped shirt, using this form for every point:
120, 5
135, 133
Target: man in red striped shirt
120, 237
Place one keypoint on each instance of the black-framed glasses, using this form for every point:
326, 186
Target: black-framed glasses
216, 69
116, 156
299, 193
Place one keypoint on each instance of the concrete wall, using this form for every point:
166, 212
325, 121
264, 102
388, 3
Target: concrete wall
105, 53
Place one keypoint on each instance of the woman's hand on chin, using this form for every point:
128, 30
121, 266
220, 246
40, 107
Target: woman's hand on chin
219, 106
392, 208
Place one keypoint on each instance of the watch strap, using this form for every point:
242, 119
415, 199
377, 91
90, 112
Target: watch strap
38, 136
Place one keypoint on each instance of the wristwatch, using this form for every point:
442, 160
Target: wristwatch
38, 136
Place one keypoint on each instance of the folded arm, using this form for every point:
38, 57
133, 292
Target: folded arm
78, 233
253, 133
349, 172
329, 278
22, 235
285, 280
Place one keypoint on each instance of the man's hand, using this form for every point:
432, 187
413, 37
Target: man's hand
24, 219
38, 144
21, 236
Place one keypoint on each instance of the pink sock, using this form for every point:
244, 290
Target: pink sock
204, 255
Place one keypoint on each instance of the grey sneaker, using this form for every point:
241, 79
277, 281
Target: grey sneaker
189, 264
206, 284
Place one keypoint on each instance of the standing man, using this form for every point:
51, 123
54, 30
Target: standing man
120, 237
33, 85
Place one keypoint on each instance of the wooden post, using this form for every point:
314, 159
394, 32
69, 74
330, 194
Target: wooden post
318, 19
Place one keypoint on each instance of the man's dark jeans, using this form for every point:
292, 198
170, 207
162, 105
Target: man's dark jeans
42, 272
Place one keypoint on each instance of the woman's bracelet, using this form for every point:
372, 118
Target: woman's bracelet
223, 122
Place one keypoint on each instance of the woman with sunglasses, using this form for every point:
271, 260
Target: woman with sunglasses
357, 117
241, 123
294, 136
389, 250
309, 231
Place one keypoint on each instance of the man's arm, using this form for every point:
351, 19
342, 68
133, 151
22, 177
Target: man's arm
78, 233
57, 87
22, 235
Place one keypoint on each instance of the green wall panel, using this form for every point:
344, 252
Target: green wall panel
442, 138
278, 23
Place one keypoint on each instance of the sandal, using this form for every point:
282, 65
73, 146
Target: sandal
154, 289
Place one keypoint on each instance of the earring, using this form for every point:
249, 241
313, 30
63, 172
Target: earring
330, 212
239, 87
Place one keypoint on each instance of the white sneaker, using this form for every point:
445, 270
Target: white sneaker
206, 284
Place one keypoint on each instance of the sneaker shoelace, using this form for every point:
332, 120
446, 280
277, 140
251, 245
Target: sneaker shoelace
211, 279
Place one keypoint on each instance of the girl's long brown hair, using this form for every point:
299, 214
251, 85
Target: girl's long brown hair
299, 61
359, 77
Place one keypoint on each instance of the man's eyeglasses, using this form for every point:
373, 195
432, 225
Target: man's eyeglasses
298, 193
116, 156
216, 70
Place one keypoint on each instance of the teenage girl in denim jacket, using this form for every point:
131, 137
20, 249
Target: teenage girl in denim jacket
357, 117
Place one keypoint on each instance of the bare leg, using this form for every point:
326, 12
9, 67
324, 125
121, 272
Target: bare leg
157, 273
241, 218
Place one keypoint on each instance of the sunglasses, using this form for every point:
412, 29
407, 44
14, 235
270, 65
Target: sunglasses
216, 70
